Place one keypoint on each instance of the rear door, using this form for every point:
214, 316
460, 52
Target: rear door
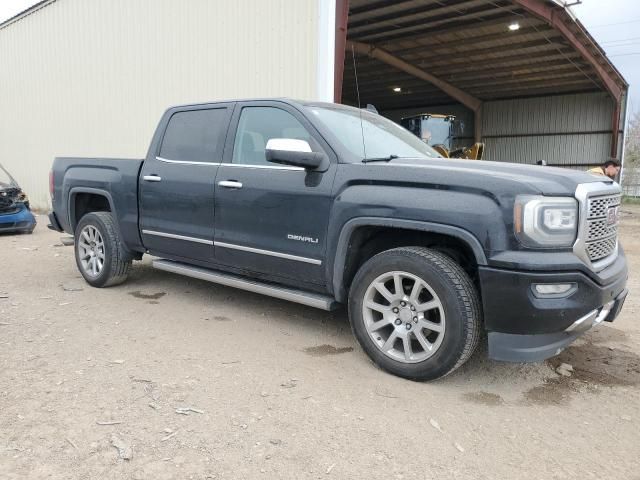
272, 219
177, 183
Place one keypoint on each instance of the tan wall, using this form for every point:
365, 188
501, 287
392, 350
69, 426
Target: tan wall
92, 77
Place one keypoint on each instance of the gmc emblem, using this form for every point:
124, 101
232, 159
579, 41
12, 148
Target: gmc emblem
613, 215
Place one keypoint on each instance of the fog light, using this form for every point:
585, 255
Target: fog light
546, 290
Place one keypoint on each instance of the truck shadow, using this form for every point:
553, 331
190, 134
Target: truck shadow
144, 280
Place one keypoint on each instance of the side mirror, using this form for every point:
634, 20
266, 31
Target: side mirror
289, 151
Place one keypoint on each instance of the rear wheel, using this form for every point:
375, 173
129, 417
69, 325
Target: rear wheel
100, 256
415, 312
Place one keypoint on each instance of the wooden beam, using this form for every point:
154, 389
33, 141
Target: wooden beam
530, 89
397, 15
473, 16
536, 93
454, 92
372, 6
406, 90
546, 77
372, 69
441, 46
455, 65
430, 33
378, 98
547, 48
388, 83
550, 66
342, 13
475, 52
385, 82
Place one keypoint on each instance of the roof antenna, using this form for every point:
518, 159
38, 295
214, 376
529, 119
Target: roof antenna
355, 73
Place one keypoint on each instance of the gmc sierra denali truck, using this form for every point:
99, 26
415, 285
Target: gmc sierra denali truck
324, 204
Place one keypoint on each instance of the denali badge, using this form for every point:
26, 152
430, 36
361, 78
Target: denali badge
613, 215
300, 238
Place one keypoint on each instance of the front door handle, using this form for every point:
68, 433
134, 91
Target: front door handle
152, 178
230, 184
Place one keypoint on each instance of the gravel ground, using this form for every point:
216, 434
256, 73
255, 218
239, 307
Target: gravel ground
167, 377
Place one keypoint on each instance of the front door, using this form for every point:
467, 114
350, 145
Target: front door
271, 219
177, 183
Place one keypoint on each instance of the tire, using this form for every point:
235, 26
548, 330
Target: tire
96, 236
449, 324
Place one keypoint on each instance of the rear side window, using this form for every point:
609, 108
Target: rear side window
195, 135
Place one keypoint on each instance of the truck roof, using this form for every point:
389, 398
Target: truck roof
287, 100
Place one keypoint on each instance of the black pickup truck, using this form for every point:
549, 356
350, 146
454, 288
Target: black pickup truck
324, 204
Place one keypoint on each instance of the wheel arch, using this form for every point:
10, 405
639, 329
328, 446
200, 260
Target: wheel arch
347, 261
76, 212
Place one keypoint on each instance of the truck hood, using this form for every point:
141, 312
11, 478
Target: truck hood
6, 180
11, 195
543, 180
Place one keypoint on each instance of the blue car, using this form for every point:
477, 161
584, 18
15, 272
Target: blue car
15, 212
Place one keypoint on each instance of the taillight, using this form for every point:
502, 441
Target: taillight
51, 183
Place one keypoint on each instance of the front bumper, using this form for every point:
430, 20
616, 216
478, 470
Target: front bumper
509, 347
20, 221
525, 328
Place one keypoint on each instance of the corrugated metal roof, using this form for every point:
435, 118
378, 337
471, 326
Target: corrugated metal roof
468, 44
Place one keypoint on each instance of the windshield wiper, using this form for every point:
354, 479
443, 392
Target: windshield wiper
380, 159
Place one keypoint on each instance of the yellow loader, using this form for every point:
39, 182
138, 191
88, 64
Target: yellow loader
439, 131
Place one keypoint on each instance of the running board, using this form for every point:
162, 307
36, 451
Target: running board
322, 302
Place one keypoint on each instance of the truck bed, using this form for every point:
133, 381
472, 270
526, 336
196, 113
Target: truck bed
117, 178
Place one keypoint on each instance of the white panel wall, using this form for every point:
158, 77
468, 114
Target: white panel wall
92, 77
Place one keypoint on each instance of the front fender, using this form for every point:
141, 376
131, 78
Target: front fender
342, 248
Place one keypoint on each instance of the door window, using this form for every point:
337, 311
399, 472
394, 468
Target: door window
195, 135
257, 126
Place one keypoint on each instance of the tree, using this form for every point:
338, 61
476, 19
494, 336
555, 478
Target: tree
631, 180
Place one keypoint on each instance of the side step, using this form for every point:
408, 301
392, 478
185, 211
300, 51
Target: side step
310, 299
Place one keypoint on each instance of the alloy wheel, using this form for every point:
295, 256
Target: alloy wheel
91, 250
404, 317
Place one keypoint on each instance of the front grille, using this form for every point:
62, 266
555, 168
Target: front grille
602, 236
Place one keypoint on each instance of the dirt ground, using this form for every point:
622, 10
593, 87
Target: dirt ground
167, 377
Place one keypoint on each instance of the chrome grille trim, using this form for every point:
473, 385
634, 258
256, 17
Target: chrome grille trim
602, 239
597, 242
599, 230
599, 205
602, 248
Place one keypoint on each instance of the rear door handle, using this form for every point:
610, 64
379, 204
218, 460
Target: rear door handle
230, 184
152, 178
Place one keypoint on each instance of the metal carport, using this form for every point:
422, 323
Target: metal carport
524, 75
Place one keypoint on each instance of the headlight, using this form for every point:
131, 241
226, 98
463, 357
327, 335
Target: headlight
545, 221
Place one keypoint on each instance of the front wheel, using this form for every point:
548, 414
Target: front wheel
100, 256
415, 312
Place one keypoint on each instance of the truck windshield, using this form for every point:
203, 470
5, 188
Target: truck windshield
375, 137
